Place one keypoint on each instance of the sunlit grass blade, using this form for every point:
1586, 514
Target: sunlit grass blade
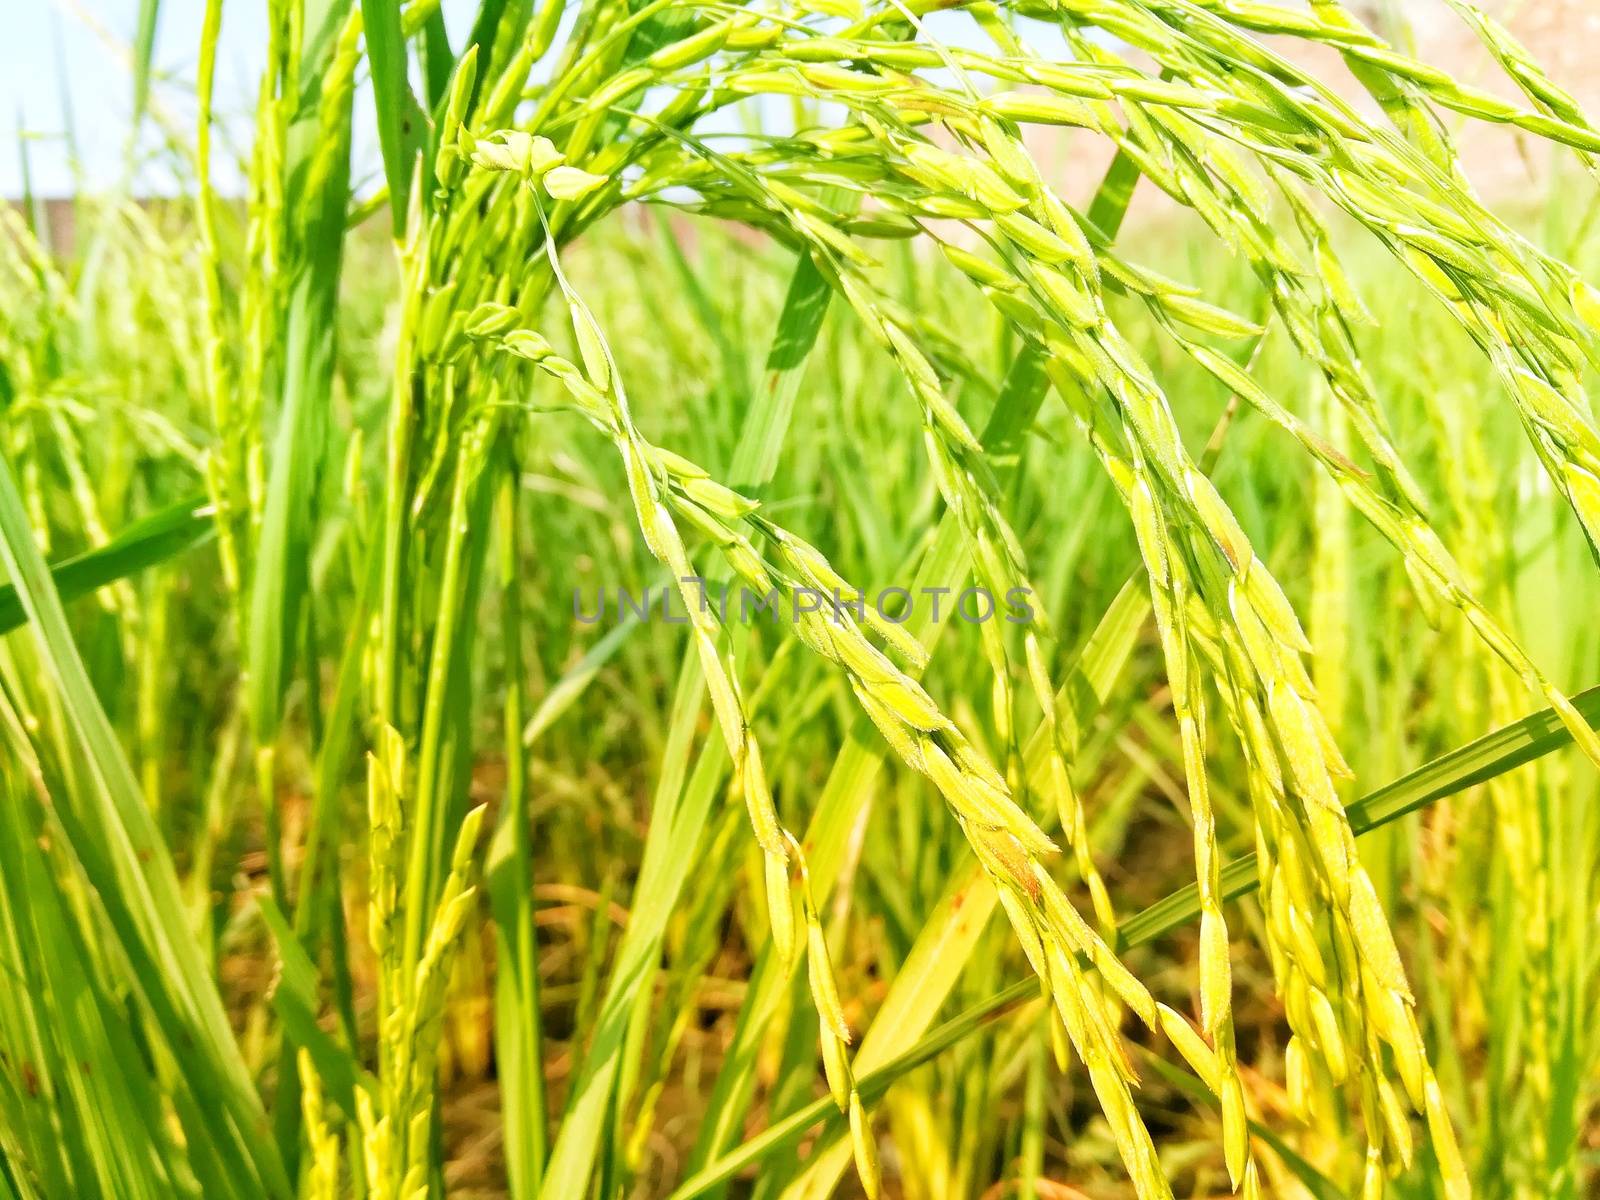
140, 891
399, 118
148, 542
144, 47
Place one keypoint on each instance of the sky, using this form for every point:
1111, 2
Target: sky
66, 86
66, 92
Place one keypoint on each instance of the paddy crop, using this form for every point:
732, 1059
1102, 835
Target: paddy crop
348, 852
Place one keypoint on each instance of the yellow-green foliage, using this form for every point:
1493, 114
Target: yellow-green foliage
585, 338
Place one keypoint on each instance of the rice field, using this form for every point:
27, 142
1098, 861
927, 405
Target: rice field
822, 598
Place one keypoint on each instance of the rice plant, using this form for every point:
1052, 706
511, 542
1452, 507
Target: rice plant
354, 849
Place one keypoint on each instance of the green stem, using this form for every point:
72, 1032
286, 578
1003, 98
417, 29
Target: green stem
518, 1028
